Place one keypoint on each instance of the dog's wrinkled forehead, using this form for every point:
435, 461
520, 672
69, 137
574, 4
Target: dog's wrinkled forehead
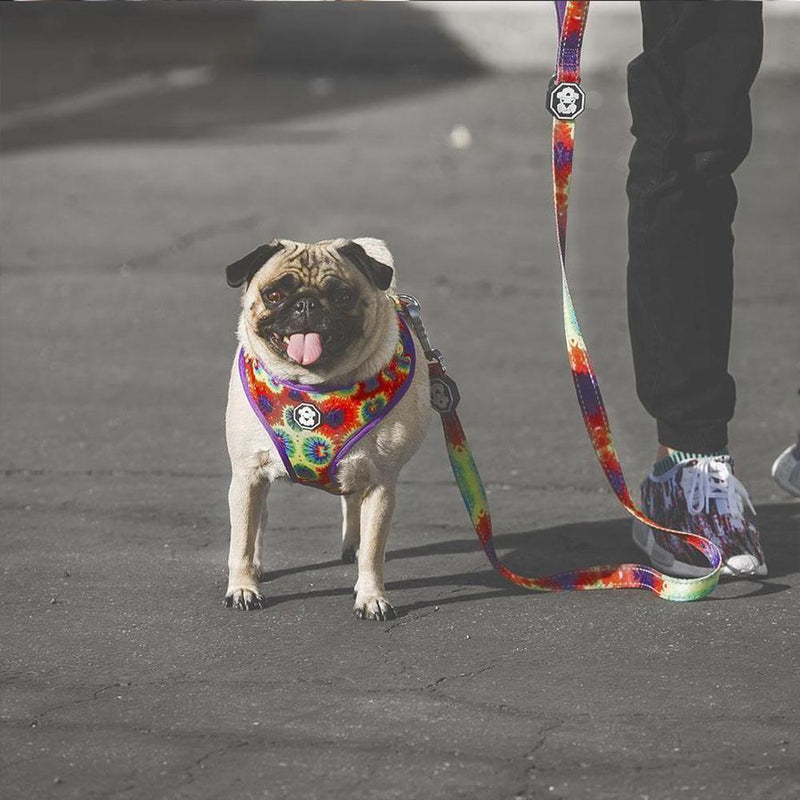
312, 264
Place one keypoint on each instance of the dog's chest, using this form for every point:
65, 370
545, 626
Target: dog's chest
313, 430
353, 470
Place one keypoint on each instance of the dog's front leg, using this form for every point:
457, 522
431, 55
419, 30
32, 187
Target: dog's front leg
247, 503
351, 526
377, 507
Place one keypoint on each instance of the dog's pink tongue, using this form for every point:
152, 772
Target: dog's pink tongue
304, 348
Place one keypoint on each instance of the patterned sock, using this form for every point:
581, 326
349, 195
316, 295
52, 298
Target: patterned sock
677, 456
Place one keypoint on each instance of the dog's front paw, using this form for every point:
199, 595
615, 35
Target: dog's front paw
374, 606
246, 599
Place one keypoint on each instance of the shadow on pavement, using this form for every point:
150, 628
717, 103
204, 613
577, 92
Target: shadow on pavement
92, 72
567, 547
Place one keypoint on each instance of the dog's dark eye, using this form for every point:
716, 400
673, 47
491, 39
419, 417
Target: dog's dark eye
344, 297
275, 296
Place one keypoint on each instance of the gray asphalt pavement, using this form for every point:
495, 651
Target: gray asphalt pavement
132, 172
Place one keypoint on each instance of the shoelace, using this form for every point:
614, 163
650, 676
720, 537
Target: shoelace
710, 478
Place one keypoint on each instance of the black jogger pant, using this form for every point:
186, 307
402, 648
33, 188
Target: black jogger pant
688, 94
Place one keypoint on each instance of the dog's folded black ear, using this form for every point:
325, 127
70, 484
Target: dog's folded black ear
379, 273
244, 269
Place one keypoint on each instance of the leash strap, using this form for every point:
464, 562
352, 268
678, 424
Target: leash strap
565, 100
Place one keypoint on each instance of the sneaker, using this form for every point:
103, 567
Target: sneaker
786, 469
704, 497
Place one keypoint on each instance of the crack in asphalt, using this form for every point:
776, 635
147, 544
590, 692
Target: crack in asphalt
489, 666
524, 765
38, 717
38, 472
529, 768
185, 240
406, 619
197, 764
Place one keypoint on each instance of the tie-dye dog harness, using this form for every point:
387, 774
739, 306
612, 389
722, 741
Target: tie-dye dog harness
313, 427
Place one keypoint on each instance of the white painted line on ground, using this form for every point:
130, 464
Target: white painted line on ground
112, 92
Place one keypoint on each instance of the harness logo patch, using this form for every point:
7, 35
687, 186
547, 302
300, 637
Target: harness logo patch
306, 416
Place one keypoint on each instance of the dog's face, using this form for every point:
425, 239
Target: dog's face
312, 305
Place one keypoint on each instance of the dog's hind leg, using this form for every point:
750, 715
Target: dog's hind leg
351, 526
377, 507
247, 500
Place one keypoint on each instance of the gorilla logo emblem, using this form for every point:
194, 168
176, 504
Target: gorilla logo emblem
306, 416
565, 101
444, 394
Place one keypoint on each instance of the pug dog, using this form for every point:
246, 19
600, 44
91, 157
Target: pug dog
315, 315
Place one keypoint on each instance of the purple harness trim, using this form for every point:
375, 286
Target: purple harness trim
257, 411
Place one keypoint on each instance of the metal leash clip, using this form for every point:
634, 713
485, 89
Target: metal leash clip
412, 308
444, 392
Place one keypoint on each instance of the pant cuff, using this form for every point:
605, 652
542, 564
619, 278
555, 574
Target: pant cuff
706, 439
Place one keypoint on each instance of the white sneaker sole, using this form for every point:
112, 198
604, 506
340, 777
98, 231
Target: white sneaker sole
786, 471
741, 566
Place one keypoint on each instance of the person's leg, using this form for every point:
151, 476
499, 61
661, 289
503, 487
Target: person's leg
689, 101
786, 468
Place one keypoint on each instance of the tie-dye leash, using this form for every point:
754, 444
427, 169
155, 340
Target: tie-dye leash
565, 101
